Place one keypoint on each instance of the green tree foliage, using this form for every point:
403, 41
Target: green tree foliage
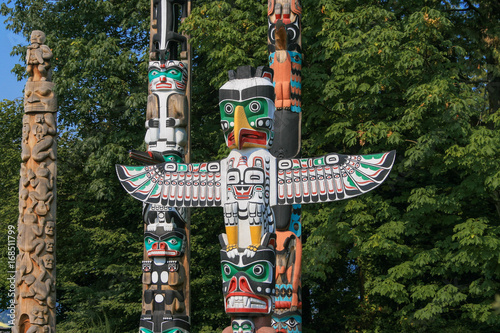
418, 254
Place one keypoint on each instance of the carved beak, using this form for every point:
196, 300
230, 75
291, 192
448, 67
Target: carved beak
240, 122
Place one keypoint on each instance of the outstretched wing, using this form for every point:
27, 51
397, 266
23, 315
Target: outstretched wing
330, 177
174, 184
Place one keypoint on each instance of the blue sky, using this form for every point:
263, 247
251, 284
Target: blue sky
10, 88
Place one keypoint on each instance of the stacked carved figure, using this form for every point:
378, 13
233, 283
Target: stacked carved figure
165, 305
248, 184
285, 58
35, 264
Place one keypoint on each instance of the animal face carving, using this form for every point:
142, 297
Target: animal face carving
247, 123
248, 283
246, 105
171, 75
169, 244
247, 184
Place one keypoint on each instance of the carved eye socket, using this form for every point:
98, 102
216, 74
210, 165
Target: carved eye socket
150, 241
254, 106
258, 270
229, 108
291, 322
227, 270
173, 241
154, 73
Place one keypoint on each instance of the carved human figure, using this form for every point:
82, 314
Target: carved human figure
29, 236
44, 130
43, 183
167, 109
37, 57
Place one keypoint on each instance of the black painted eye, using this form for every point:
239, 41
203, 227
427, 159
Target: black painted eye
291, 322
227, 270
254, 106
229, 108
258, 270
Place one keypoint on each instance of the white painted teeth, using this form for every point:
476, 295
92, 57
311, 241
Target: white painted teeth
245, 302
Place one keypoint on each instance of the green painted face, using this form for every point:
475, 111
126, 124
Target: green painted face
169, 247
247, 123
259, 271
242, 326
172, 73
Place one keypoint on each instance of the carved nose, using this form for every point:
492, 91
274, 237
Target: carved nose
158, 246
163, 78
244, 286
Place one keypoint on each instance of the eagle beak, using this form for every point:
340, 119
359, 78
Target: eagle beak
240, 122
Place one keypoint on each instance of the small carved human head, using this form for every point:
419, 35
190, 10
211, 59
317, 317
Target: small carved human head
37, 36
50, 228
49, 245
39, 315
48, 261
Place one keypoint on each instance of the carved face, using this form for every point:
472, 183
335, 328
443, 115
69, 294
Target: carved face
169, 244
246, 184
247, 113
243, 326
37, 36
288, 322
39, 315
248, 283
171, 75
49, 245
39, 96
49, 228
48, 261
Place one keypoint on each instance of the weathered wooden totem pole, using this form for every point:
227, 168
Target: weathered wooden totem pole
285, 58
36, 264
247, 184
165, 305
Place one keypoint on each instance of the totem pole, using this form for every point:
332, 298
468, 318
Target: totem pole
165, 305
247, 184
285, 58
35, 264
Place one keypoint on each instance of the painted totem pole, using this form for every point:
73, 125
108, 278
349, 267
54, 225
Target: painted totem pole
247, 184
35, 264
285, 58
165, 305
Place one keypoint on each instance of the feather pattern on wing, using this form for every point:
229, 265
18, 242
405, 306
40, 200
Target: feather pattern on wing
174, 184
331, 177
